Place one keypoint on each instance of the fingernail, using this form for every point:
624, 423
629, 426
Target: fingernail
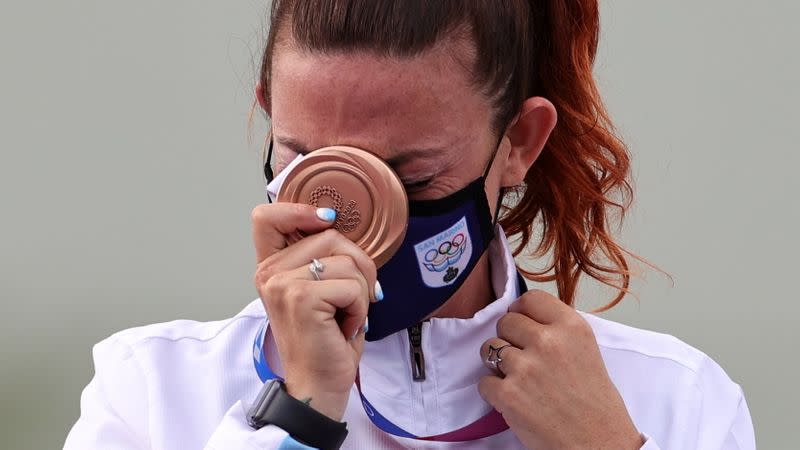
378, 291
363, 329
326, 214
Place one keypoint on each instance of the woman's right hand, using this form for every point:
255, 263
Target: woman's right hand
318, 326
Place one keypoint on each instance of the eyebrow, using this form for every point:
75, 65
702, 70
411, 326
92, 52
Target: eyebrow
395, 161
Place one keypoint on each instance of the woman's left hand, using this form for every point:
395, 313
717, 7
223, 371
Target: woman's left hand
552, 387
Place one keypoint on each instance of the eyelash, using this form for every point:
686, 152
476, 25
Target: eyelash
417, 185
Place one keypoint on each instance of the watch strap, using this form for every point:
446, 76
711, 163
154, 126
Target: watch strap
273, 405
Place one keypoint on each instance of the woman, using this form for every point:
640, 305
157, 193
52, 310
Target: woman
473, 103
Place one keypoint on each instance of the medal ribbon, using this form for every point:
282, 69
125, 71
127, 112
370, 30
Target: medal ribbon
488, 425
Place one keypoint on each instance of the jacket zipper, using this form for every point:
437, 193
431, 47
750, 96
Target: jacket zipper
417, 357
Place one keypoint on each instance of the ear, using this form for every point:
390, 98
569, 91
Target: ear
262, 100
528, 135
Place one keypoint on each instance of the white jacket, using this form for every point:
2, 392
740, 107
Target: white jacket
186, 385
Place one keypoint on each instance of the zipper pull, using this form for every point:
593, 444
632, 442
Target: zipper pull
417, 357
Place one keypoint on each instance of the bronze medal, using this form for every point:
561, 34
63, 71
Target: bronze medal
370, 202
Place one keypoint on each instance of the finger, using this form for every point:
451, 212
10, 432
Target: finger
321, 245
348, 300
340, 301
336, 267
503, 351
540, 306
518, 329
357, 341
272, 223
495, 391
333, 267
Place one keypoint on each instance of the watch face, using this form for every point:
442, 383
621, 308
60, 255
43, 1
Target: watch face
370, 201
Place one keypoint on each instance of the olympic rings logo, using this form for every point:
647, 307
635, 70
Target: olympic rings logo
447, 254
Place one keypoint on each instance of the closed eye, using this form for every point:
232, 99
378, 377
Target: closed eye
416, 186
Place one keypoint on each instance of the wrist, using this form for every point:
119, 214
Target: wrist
275, 406
332, 404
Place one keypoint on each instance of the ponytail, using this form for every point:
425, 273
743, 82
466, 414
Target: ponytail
578, 185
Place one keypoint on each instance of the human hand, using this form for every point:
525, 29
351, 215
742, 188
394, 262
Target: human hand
318, 326
551, 386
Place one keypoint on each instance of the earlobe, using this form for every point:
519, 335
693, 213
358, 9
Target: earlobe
528, 136
262, 100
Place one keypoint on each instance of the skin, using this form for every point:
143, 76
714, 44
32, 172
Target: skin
395, 107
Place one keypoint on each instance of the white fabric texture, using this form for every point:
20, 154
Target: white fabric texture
185, 385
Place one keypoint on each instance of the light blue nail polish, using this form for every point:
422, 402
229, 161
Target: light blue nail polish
366, 325
378, 291
326, 214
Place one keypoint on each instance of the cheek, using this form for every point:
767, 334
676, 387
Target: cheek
282, 157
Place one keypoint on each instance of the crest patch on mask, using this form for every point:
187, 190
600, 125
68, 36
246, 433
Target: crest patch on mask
443, 257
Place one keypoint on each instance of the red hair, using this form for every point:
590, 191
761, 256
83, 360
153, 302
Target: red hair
579, 184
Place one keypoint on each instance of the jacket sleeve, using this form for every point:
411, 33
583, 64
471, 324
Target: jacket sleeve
724, 419
741, 435
115, 412
720, 417
114, 403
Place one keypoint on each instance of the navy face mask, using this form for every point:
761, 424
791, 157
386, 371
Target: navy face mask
444, 240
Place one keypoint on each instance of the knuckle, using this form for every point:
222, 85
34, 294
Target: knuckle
331, 234
526, 300
358, 261
351, 291
576, 324
348, 263
536, 293
295, 293
547, 342
259, 279
360, 294
264, 272
533, 296
526, 366
273, 293
502, 324
259, 214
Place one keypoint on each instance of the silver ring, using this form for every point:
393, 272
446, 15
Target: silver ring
316, 267
493, 359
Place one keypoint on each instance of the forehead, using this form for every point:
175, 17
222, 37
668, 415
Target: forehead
379, 103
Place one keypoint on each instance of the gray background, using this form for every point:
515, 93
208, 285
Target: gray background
127, 180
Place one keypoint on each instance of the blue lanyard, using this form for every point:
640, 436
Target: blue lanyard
488, 425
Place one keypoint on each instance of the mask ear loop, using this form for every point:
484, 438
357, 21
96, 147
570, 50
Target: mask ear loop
502, 193
268, 173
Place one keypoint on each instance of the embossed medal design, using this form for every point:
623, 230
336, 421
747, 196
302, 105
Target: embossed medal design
347, 219
370, 201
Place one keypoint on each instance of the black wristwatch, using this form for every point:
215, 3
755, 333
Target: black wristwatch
273, 405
